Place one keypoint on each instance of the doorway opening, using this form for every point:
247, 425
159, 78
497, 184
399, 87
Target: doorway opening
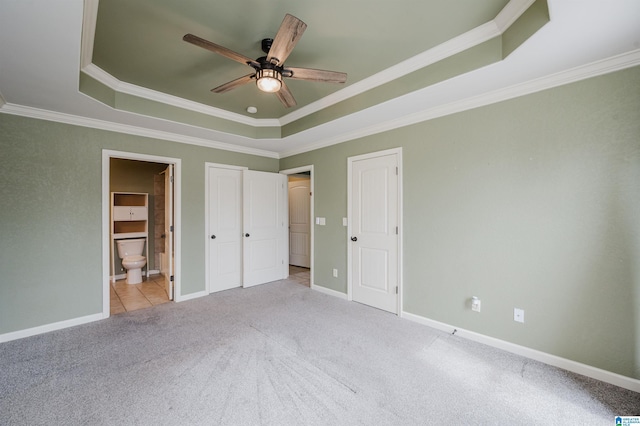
301, 213
151, 185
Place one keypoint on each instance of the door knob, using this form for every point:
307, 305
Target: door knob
213, 237
246, 235
354, 238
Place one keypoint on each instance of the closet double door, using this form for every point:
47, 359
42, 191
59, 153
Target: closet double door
247, 228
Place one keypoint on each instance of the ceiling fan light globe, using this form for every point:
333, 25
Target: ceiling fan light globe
269, 80
269, 84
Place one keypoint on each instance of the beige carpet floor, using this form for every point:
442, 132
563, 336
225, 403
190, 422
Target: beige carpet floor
283, 354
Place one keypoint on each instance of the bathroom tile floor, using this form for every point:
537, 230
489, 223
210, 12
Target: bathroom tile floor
300, 275
150, 292
130, 297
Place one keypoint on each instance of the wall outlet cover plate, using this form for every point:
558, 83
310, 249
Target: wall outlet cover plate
518, 315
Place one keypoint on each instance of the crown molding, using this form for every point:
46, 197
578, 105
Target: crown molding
512, 11
507, 16
605, 66
76, 120
110, 81
449, 48
89, 21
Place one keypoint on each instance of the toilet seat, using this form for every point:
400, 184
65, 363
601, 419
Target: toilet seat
135, 258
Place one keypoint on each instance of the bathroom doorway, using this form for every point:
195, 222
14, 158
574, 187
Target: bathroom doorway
157, 178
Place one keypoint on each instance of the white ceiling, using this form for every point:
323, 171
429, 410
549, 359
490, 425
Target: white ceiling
40, 53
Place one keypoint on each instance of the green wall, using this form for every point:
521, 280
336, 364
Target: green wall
51, 216
531, 203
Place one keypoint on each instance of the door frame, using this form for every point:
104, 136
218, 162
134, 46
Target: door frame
294, 171
350, 161
207, 225
306, 181
169, 178
107, 155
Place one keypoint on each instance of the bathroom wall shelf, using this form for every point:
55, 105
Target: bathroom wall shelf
129, 219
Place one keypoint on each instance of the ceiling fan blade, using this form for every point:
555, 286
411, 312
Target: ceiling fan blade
286, 97
315, 75
286, 39
234, 83
205, 44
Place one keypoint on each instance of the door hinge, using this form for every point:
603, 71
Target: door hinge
396, 170
171, 279
171, 228
171, 179
396, 230
396, 289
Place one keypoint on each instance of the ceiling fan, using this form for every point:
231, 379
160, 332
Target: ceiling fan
269, 70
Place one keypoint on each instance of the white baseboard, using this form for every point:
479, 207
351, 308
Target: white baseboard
556, 361
190, 296
20, 334
328, 291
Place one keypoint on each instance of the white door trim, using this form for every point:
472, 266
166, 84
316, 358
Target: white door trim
168, 273
107, 155
297, 189
293, 171
207, 266
350, 160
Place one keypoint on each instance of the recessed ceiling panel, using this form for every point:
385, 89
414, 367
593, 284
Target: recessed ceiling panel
140, 42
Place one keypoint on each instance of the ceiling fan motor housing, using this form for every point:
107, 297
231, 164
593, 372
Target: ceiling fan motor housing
266, 44
266, 65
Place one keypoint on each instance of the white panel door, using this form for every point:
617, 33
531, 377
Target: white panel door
374, 239
300, 223
225, 228
168, 265
265, 251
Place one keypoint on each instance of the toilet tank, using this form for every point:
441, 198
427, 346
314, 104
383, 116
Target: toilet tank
130, 247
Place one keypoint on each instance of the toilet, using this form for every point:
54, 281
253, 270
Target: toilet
130, 251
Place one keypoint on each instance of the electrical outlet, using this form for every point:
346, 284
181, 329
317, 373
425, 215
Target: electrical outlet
335, 273
518, 315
